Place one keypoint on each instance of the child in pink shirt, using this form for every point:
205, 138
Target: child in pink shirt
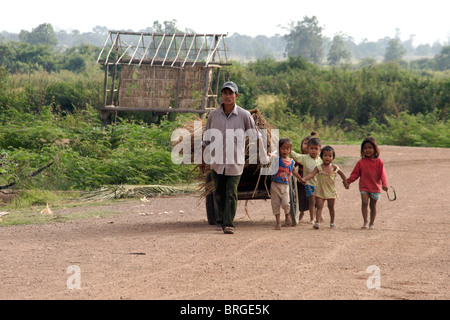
372, 178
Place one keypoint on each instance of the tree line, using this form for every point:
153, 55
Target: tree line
334, 92
303, 38
342, 95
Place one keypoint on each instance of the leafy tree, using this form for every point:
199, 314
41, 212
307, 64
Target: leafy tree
367, 62
305, 39
100, 30
339, 50
166, 27
259, 47
408, 44
394, 51
423, 49
422, 64
443, 59
79, 58
42, 34
436, 48
240, 46
23, 57
3, 86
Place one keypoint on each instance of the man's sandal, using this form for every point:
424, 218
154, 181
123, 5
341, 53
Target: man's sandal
228, 230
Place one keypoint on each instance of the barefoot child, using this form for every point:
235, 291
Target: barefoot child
325, 188
372, 178
309, 162
279, 189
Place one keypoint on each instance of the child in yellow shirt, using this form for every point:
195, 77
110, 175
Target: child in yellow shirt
309, 162
325, 187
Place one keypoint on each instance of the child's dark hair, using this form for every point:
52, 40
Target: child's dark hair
303, 140
373, 142
314, 139
327, 148
283, 141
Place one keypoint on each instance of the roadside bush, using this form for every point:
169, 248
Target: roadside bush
420, 130
85, 155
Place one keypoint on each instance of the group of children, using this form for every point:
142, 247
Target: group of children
317, 175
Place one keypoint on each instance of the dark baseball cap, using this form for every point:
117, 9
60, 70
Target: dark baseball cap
231, 85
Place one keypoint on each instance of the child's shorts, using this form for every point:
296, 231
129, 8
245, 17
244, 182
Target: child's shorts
309, 190
373, 195
279, 197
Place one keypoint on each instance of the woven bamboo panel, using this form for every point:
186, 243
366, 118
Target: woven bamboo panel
156, 87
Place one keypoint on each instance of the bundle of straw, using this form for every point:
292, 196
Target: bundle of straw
130, 191
260, 123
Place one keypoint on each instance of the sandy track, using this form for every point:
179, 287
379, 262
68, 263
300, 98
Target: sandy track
168, 254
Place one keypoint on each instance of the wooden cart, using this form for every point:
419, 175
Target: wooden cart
254, 186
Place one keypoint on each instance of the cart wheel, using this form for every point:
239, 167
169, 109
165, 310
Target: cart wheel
210, 212
293, 200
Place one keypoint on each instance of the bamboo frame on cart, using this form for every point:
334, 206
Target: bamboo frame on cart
159, 72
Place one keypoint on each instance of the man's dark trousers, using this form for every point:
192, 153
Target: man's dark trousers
225, 198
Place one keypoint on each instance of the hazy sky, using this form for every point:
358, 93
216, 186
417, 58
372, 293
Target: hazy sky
428, 20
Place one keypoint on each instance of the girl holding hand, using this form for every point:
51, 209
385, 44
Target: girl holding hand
325, 188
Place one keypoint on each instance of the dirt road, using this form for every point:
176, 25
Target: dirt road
164, 249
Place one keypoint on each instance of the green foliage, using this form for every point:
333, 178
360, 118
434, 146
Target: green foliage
442, 60
305, 39
85, 155
404, 129
34, 197
246, 48
420, 130
339, 51
41, 35
25, 57
336, 94
394, 51
28, 93
276, 111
